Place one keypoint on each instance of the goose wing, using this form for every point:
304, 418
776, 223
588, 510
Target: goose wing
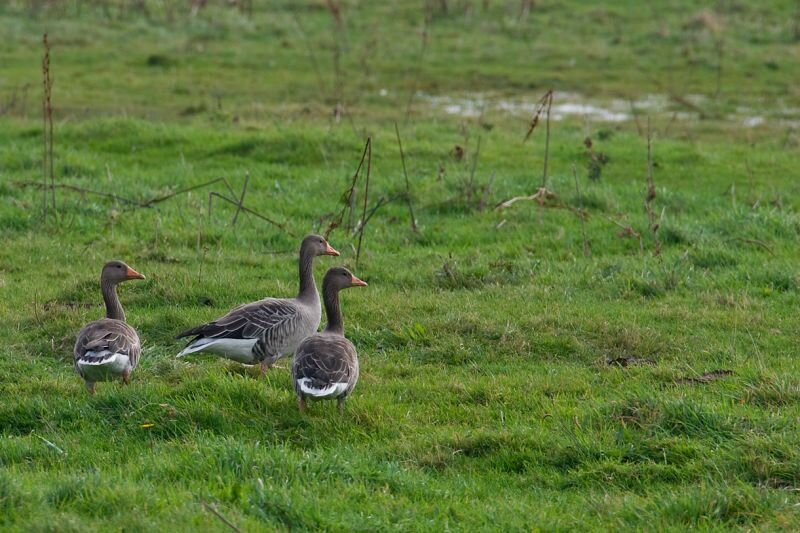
322, 361
263, 319
108, 336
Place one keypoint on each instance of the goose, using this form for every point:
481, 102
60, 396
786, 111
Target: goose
264, 331
325, 364
108, 348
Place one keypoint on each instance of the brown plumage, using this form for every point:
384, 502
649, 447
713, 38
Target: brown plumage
325, 364
108, 348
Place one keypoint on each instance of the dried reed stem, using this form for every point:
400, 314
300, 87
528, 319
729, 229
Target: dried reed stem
546, 102
347, 197
651, 194
241, 199
47, 131
366, 200
471, 184
580, 206
405, 173
210, 508
418, 67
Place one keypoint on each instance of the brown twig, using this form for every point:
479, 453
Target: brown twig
627, 231
241, 199
210, 508
405, 173
651, 194
487, 191
47, 128
77, 189
256, 214
471, 184
546, 102
635, 114
347, 197
757, 243
366, 200
311, 54
159, 199
339, 35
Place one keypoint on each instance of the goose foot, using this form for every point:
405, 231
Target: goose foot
126, 377
91, 386
265, 364
301, 404
340, 404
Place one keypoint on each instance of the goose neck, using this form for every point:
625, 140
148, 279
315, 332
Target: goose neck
332, 310
113, 307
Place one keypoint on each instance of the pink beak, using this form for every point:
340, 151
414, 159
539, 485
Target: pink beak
330, 250
357, 282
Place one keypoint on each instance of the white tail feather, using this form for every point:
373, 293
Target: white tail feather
332, 390
240, 350
100, 366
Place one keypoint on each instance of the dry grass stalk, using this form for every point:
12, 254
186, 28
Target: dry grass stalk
241, 199
650, 196
487, 191
627, 231
80, 190
471, 183
418, 67
47, 132
580, 206
596, 160
210, 508
405, 173
348, 196
231, 200
635, 115
366, 200
311, 55
545, 103
336, 15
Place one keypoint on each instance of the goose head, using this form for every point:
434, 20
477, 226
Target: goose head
116, 272
339, 278
316, 245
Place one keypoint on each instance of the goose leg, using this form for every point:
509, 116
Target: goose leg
265, 364
340, 404
90, 386
301, 403
126, 377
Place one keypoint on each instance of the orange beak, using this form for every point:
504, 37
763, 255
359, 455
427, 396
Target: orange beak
330, 250
357, 282
132, 274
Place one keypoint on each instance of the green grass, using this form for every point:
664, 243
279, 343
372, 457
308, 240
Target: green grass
486, 399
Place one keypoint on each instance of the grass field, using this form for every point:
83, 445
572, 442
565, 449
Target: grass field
516, 373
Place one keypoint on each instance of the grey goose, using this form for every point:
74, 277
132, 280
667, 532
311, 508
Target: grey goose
264, 331
108, 348
325, 364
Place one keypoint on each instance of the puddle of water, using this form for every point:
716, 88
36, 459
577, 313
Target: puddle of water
569, 104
